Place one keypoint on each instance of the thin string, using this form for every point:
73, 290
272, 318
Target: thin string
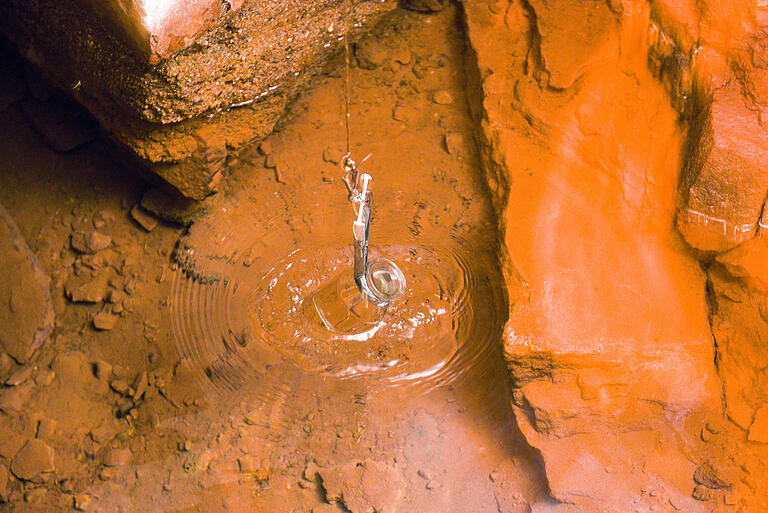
346, 70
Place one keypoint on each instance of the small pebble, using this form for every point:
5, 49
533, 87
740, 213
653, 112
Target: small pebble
371, 53
45, 377
14, 399
104, 320
115, 296
117, 457
454, 144
252, 418
66, 485
712, 428
252, 465
265, 147
405, 114
100, 434
107, 473
19, 377
120, 386
420, 69
89, 242
91, 289
35, 495
701, 493
443, 98
310, 472
402, 56
140, 385
332, 155
82, 501
124, 406
102, 370
130, 287
46, 428
143, 218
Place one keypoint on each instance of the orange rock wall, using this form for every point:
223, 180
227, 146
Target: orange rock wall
624, 145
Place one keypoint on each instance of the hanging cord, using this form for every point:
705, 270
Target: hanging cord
350, 26
346, 88
350, 171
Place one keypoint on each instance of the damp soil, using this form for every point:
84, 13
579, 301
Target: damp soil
193, 380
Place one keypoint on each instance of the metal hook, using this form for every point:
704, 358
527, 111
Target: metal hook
350, 175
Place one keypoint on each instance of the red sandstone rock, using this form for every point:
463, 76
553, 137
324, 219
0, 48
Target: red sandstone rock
614, 471
608, 330
758, 431
26, 310
183, 83
725, 182
575, 35
739, 327
748, 263
35, 458
710, 59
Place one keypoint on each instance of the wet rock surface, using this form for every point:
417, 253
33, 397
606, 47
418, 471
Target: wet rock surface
582, 192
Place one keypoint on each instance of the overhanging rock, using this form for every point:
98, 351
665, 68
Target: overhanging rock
182, 83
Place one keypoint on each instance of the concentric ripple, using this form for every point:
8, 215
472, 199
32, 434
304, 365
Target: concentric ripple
239, 310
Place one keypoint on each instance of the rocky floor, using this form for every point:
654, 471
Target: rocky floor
105, 415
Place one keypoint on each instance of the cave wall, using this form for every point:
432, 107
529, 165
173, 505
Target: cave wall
624, 144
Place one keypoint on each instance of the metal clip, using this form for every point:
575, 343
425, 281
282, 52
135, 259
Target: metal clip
349, 174
351, 177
